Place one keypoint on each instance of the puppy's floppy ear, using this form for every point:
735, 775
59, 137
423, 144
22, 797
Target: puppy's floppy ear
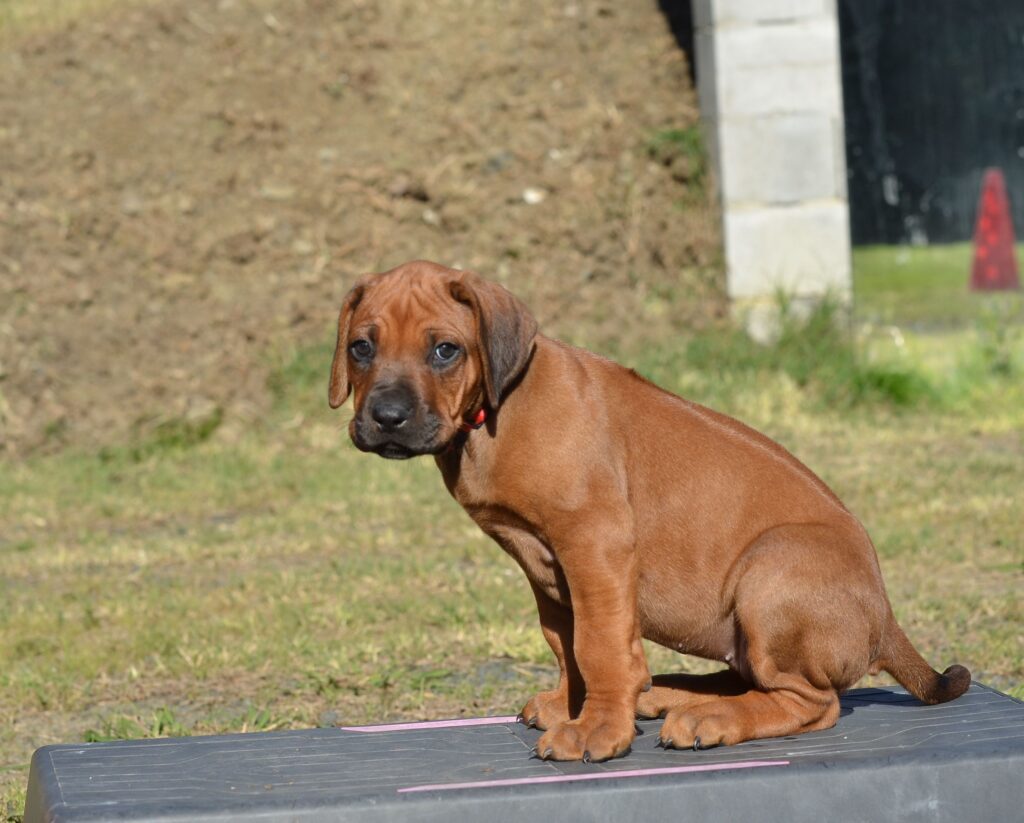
338, 391
505, 331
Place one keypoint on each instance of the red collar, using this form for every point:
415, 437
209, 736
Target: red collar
478, 420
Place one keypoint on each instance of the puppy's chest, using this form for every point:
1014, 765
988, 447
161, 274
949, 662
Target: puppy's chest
527, 548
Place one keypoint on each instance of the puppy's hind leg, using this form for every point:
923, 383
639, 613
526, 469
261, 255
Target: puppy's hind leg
755, 714
670, 692
809, 605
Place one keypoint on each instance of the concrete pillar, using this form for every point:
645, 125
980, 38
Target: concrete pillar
768, 75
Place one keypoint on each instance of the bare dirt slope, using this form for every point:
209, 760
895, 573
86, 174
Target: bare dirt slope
186, 186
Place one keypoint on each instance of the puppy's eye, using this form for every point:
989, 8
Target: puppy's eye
361, 349
446, 352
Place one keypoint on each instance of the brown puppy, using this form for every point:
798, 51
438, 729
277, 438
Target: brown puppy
634, 514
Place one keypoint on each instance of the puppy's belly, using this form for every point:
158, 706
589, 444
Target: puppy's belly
709, 642
687, 622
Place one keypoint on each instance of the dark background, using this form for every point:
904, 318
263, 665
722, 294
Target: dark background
933, 95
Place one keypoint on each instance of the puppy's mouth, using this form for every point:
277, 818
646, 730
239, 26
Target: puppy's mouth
402, 445
399, 451
394, 451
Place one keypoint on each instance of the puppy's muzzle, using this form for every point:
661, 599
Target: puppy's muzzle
395, 423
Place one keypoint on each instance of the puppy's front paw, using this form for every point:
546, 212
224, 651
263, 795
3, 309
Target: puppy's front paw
545, 710
592, 736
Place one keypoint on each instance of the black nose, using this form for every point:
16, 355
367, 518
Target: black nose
391, 412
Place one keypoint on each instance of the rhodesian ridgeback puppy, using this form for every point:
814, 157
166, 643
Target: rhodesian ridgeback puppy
634, 513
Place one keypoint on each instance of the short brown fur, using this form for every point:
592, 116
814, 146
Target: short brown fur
634, 513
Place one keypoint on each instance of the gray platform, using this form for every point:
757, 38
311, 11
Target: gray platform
888, 758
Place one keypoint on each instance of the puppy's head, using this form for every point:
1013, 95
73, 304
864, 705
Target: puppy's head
422, 348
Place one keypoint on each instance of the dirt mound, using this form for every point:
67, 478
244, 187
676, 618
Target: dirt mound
184, 186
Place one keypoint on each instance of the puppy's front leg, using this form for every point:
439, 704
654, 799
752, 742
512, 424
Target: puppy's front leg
546, 709
602, 578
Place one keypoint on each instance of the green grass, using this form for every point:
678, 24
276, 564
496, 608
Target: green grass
816, 353
925, 286
19, 15
834, 368
162, 724
192, 583
682, 150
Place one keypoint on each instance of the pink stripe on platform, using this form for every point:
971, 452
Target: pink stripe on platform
569, 778
432, 724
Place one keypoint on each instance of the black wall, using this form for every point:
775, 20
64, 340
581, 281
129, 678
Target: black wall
933, 95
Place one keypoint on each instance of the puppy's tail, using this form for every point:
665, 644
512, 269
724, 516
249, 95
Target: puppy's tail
900, 659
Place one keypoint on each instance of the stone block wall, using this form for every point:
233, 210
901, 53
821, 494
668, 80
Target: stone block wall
768, 74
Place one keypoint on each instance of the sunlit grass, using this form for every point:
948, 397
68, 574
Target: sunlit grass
927, 286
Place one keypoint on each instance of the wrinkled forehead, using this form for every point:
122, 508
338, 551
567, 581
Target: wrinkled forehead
411, 307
